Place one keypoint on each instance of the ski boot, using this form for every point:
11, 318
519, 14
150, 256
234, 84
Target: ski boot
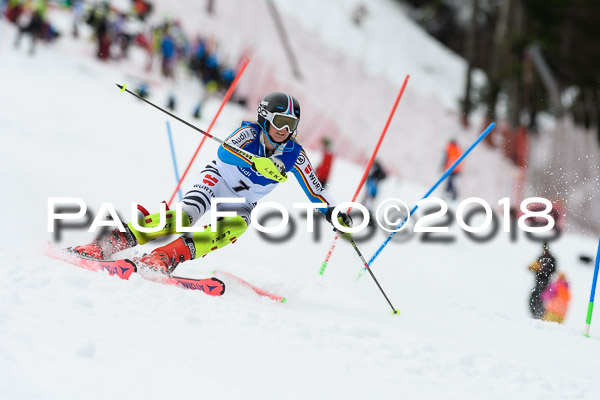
104, 248
164, 259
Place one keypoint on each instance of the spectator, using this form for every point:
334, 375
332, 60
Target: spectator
141, 9
14, 10
142, 90
3, 8
376, 175
226, 77
209, 90
77, 15
35, 25
359, 14
122, 37
556, 299
324, 167
98, 19
452, 154
210, 73
543, 268
171, 102
197, 56
168, 52
153, 46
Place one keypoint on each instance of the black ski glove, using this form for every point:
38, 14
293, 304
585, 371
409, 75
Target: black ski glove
343, 218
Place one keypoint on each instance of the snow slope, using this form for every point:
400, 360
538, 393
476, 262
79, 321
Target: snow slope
65, 333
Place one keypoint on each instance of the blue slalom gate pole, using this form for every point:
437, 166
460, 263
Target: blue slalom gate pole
588, 319
173, 157
448, 172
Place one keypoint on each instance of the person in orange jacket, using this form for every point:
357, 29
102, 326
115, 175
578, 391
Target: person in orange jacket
556, 299
451, 154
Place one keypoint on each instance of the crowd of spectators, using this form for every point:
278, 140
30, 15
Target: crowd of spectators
166, 41
116, 31
30, 18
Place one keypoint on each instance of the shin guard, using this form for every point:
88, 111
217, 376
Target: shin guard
151, 221
229, 229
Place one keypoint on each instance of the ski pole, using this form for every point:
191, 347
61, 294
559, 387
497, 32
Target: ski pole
225, 100
395, 311
444, 176
367, 168
173, 155
588, 319
240, 152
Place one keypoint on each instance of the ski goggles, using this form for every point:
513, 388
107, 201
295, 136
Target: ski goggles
280, 121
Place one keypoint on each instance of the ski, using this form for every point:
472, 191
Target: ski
125, 268
256, 290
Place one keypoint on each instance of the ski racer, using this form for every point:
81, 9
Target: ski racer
273, 140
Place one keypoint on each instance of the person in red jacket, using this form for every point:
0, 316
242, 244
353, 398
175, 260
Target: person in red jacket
324, 167
452, 153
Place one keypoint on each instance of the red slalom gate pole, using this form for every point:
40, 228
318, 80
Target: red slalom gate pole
367, 168
225, 100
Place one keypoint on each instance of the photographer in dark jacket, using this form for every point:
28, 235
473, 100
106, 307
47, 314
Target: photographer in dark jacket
544, 267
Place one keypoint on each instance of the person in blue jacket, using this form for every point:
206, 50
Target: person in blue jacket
272, 144
168, 50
